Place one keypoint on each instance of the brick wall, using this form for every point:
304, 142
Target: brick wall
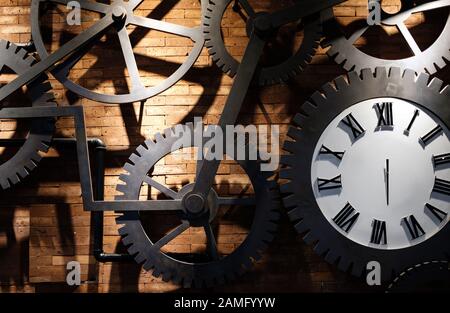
42, 222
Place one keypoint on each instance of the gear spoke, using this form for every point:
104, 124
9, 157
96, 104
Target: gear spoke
356, 35
211, 242
431, 6
130, 60
166, 191
247, 8
165, 27
244, 201
134, 3
409, 39
87, 5
172, 235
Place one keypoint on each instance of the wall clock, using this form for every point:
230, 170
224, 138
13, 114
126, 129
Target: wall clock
369, 170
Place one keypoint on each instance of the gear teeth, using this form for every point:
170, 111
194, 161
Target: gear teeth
21, 53
133, 249
366, 74
328, 89
331, 257
435, 84
166, 277
122, 188
286, 188
339, 59
141, 150
128, 167
341, 83
5, 184
128, 241
124, 178
381, 72
446, 91
357, 270
140, 258
299, 119
320, 248
294, 133
411, 75
344, 264
318, 98
395, 73
3, 44
290, 201
122, 230
289, 146
149, 143
134, 158
300, 227
159, 137
23, 173
169, 132
14, 179
287, 159
354, 78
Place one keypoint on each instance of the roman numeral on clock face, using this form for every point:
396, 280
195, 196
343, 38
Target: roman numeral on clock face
413, 226
326, 184
441, 159
354, 126
385, 116
346, 218
379, 235
442, 186
325, 150
431, 135
439, 214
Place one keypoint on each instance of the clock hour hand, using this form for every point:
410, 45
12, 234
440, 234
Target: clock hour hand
386, 178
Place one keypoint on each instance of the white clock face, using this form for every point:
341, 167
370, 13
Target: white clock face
381, 173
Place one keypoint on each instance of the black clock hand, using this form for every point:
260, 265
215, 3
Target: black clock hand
386, 171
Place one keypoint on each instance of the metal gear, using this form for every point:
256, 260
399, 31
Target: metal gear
267, 75
138, 92
194, 274
41, 129
306, 130
351, 58
431, 276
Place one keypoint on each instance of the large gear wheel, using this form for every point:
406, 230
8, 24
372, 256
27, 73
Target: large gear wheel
271, 74
41, 130
344, 51
433, 276
215, 269
306, 130
138, 91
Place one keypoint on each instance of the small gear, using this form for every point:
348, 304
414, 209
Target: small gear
351, 58
427, 277
41, 129
214, 270
267, 75
307, 127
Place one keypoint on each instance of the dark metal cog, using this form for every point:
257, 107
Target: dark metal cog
137, 90
426, 277
216, 269
41, 131
267, 75
306, 130
351, 58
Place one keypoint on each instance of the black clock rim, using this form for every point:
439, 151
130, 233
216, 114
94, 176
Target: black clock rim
306, 129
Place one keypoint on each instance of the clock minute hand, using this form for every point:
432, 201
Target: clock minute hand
386, 171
